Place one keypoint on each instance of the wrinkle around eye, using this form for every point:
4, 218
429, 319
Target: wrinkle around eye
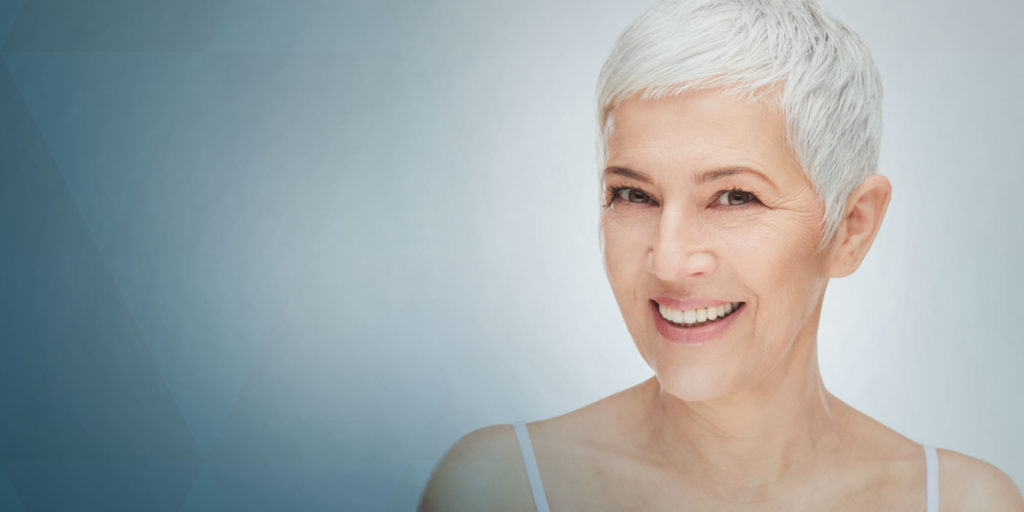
627, 194
618, 195
726, 197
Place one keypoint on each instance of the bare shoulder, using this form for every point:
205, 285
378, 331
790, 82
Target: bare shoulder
482, 471
968, 483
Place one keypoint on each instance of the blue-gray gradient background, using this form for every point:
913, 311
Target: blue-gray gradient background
266, 255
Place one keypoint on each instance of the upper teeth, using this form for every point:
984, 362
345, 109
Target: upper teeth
694, 316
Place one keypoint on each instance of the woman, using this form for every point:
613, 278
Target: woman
739, 144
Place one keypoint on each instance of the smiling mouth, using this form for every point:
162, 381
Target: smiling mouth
700, 316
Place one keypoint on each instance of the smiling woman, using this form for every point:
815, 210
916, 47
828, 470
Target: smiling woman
740, 142
728, 218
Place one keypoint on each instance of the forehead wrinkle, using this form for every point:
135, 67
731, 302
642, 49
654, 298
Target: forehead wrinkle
683, 161
652, 136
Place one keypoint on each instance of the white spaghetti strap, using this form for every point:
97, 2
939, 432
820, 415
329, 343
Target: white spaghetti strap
931, 460
532, 471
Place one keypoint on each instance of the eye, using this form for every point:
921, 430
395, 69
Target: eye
735, 197
629, 194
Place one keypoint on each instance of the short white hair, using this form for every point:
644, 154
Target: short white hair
788, 53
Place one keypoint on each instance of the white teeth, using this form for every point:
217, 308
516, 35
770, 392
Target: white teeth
697, 316
672, 315
690, 316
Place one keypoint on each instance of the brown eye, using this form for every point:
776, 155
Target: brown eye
632, 195
735, 197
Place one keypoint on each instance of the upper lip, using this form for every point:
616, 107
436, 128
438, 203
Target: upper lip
691, 303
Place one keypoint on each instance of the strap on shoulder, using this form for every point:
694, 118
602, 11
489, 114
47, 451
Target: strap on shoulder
931, 460
530, 462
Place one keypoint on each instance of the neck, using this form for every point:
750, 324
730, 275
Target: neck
746, 445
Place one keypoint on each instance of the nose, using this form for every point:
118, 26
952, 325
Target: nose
682, 249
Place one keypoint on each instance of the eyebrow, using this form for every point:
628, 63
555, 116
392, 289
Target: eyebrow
627, 173
699, 179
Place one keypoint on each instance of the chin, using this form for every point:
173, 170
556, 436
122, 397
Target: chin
694, 384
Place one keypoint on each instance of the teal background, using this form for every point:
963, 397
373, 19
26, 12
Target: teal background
261, 255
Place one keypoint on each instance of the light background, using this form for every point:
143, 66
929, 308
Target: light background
264, 255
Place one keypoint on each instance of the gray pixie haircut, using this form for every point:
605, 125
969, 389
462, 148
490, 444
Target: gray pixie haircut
787, 53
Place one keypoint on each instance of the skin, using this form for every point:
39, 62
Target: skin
742, 422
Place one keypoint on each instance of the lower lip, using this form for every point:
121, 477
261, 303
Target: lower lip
693, 335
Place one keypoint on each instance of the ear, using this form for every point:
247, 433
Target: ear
865, 209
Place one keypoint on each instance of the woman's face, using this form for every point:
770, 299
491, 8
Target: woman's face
706, 209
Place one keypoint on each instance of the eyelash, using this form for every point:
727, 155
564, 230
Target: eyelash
612, 194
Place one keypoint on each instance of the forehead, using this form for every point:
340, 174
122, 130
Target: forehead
696, 131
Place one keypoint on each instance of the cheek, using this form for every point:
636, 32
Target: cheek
625, 248
778, 261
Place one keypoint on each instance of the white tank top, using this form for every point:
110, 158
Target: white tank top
931, 459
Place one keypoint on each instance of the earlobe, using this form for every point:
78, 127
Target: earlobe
861, 220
